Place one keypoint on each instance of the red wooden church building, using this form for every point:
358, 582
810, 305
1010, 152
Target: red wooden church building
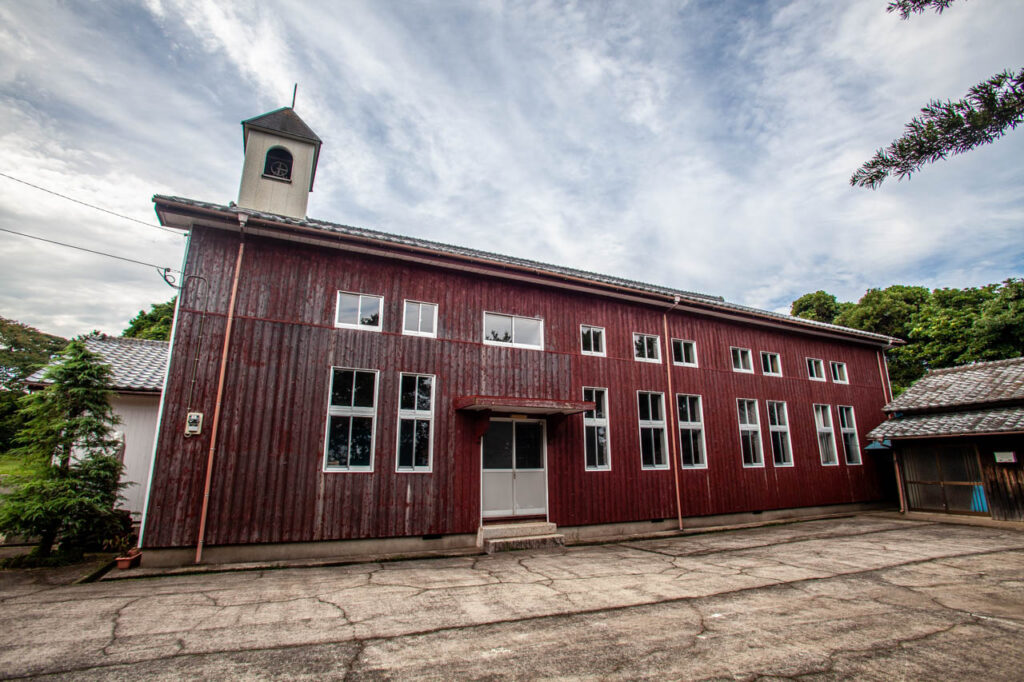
335, 390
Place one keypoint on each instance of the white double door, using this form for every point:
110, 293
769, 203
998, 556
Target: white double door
514, 476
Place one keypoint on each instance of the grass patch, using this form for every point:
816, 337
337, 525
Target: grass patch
11, 465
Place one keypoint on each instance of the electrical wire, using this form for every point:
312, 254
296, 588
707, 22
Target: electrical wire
82, 248
98, 208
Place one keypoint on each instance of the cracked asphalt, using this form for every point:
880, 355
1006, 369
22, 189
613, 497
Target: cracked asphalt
864, 597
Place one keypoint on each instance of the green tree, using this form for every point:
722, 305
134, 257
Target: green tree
23, 350
998, 332
820, 305
70, 494
989, 110
943, 327
155, 325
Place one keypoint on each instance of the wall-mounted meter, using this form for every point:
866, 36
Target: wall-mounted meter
193, 423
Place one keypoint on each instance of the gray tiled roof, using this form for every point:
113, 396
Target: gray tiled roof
982, 383
137, 364
996, 420
704, 299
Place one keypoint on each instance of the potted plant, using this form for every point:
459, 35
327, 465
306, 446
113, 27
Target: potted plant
128, 555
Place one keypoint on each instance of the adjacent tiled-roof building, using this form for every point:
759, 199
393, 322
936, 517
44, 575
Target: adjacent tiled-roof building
138, 365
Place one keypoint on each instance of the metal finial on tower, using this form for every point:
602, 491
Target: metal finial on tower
294, 91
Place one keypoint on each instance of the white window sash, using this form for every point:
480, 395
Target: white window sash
512, 323
597, 422
592, 328
420, 305
415, 415
352, 411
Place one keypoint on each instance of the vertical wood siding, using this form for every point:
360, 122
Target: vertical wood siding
268, 483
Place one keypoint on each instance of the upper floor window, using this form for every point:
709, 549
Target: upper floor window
415, 422
351, 414
359, 311
592, 340
684, 353
420, 319
512, 330
650, 407
826, 438
778, 430
750, 432
691, 431
741, 361
278, 164
646, 348
595, 429
848, 428
839, 372
771, 364
815, 369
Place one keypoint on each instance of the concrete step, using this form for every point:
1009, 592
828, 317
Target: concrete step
493, 545
514, 530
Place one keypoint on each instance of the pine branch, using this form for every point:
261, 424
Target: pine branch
908, 7
943, 128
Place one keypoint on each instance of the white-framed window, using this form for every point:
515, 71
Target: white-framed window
415, 422
513, 330
651, 410
839, 372
691, 431
750, 432
646, 348
595, 430
826, 436
592, 340
351, 420
815, 369
741, 360
771, 364
684, 353
848, 428
359, 311
419, 319
778, 430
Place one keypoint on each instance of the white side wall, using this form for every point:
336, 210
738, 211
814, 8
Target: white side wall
268, 194
138, 415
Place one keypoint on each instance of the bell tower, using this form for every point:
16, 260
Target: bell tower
281, 153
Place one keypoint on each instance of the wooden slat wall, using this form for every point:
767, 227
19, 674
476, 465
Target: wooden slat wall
1004, 483
268, 484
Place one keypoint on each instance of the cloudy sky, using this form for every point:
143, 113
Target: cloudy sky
704, 145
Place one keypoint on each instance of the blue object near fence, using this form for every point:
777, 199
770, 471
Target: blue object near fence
978, 502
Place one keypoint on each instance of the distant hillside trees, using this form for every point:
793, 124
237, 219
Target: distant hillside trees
942, 327
155, 324
23, 350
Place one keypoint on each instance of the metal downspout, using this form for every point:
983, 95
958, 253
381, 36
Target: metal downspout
673, 439
242, 219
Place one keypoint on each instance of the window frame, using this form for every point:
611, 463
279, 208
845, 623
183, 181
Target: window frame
266, 164
598, 422
652, 424
604, 341
755, 428
350, 412
415, 415
512, 343
765, 354
828, 429
691, 425
682, 343
657, 347
847, 430
358, 325
405, 318
833, 365
744, 352
820, 364
779, 428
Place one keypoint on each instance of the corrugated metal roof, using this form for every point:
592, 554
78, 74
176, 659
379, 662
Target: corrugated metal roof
978, 384
502, 260
997, 420
137, 364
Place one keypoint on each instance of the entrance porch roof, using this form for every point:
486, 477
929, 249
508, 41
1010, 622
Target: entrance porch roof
509, 405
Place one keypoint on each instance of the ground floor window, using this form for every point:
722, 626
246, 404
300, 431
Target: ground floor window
691, 431
778, 428
351, 416
826, 438
595, 429
848, 427
415, 422
651, 409
750, 432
